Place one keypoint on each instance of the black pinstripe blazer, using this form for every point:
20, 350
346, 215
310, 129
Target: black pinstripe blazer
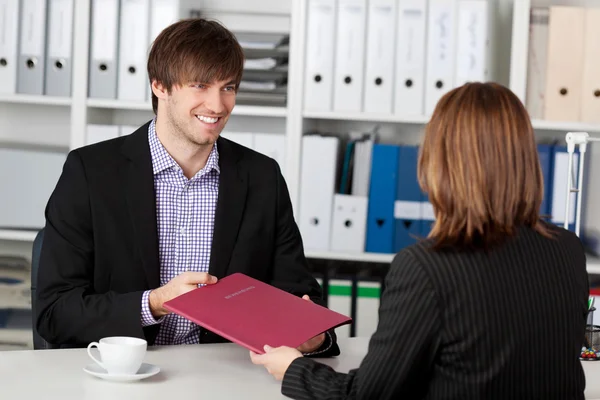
507, 324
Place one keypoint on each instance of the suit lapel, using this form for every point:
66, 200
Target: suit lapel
138, 184
233, 185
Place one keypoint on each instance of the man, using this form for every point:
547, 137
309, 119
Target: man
138, 220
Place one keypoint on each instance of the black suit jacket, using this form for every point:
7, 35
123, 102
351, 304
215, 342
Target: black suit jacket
100, 249
508, 324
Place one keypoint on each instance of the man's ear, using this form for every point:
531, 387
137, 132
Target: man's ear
159, 90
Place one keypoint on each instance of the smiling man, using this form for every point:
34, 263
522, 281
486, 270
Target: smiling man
138, 220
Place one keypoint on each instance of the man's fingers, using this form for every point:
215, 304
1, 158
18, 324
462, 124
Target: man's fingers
195, 278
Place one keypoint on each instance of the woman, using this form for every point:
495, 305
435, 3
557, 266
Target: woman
492, 304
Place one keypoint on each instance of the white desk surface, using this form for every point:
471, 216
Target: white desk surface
207, 371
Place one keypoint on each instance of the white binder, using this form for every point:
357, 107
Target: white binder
60, 48
271, 145
100, 133
320, 39
410, 57
537, 57
590, 93
367, 308
317, 181
245, 139
349, 225
32, 54
441, 51
162, 14
379, 73
559, 188
472, 44
349, 55
104, 49
9, 34
132, 81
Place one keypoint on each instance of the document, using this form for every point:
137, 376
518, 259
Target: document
252, 313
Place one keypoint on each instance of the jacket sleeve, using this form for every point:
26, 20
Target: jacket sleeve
69, 311
401, 351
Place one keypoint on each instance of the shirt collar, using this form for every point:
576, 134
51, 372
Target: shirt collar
162, 160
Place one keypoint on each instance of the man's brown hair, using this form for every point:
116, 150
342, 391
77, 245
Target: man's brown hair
194, 50
479, 165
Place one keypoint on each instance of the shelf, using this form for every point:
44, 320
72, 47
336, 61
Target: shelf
565, 126
16, 337
366, 117
362, 257
258, 111
17, 235
34, 99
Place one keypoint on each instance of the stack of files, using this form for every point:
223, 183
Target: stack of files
394, 56
562, 65
15, 283
270, 144
351, 200
36, 39
121, 35
262, 41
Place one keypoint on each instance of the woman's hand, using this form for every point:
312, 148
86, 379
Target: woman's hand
276, 360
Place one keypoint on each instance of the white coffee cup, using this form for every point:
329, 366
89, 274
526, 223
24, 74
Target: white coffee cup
120, 355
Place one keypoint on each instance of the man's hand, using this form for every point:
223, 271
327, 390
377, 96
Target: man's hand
314, 343
177, 286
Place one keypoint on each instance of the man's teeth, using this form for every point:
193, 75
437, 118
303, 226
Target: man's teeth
208, 120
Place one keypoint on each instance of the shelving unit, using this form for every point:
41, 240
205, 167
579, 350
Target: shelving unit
70, 116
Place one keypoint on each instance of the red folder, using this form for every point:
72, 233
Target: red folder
252, 313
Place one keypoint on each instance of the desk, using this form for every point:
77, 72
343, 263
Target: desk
208, 371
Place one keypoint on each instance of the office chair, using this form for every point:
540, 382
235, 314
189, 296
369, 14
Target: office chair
38, 342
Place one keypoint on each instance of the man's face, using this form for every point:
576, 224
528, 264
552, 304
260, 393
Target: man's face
198, 112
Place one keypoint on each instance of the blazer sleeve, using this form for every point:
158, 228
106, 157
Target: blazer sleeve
401, 351
69, 312
290, 269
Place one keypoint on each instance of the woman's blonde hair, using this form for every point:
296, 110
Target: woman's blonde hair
479, 166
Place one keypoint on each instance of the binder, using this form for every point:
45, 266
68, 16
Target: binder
441, 51
590, 99
379, 73
546, 155
272, 145
472, 45
427, 216
349, 223
339, 300
559, 186
349, 55
132, 79
318, 74
537, 61
104, 49
59, 62
382, 196
367, 308
317, 180
99, 133
565, 63
407, 207
162, 14
410, 58
32, 54
9, 34
245, 139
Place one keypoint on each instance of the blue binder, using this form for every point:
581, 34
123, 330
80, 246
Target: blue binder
546, 157
409, 197
382, 194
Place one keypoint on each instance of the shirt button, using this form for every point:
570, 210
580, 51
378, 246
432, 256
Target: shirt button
183, 231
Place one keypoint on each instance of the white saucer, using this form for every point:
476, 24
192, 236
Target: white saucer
145, 371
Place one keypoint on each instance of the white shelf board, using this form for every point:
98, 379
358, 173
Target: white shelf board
567, 126
35, 99
16, 336
366, 117
259, 111
17, 235
362, 257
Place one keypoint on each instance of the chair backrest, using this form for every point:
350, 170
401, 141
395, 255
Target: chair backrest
38, 341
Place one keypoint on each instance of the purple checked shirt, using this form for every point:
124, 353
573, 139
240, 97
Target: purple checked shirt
185, 220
